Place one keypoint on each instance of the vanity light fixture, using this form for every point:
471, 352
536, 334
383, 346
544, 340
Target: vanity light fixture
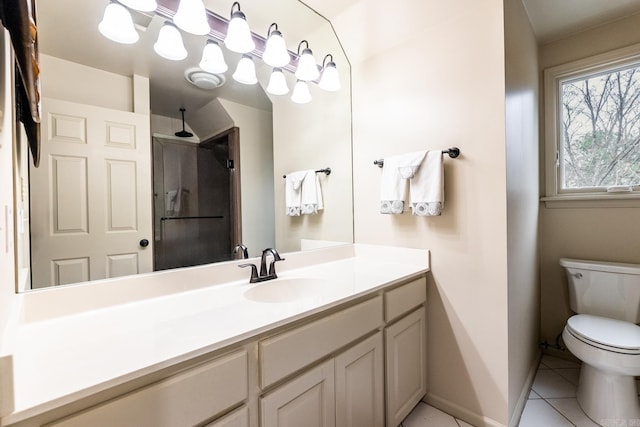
301, 94
307, 69
238, 38
275, 51
117, 24
141, 5
329, 80
212, 58
191, 17
277, 83
246, 71
169, 44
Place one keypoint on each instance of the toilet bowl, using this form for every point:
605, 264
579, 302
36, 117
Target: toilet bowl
605, 337
610, 353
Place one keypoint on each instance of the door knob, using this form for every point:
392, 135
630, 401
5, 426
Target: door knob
144, 243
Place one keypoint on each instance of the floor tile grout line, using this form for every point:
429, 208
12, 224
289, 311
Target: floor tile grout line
561, 414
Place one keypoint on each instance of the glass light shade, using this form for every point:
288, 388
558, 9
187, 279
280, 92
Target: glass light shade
307, 69
277, 83
169, 44
192, 17
238, 38
275, 52
213, 59
141, 5
246, 71
117, 24
301, 94
330, 79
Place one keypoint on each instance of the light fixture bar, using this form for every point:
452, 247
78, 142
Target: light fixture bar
219, 25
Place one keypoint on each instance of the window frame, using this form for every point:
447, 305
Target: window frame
553, 79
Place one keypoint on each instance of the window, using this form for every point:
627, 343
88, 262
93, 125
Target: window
592, 119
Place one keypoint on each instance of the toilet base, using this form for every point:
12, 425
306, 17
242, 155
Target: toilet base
609, 400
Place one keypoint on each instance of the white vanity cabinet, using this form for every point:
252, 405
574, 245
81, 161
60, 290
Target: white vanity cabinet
359, 363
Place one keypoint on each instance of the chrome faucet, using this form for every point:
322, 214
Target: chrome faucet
243, 248
264, 274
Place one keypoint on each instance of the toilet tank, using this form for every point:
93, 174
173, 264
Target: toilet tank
605, 289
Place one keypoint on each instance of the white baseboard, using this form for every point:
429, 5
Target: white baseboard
458, 411
524, 394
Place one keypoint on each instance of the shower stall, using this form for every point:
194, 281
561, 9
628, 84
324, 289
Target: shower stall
196, 201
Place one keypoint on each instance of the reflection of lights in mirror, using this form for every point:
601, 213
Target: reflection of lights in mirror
194, 18
117, 24
277, 83
245, 71
169, 44
301, 94
213, 59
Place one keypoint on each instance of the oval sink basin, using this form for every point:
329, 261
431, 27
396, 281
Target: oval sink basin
286, 289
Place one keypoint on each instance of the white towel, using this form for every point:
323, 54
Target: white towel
393, 188
427, 186
293, 192
311, 199
409, 163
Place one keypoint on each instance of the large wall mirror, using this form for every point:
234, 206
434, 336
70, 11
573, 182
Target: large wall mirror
149, 164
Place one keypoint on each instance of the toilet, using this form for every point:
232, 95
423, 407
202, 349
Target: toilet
605, 336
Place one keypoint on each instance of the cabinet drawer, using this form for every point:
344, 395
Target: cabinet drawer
238, 418
286, 353
404, 298
187, 398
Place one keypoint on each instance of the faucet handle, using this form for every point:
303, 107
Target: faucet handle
254, 272
272, 266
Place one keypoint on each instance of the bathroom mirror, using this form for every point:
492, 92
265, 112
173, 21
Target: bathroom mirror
84, 74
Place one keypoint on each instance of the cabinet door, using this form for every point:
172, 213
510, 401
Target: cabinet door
307, 400
359, 385
406, 348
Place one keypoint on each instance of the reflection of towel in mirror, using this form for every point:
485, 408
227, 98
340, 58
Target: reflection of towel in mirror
311, 198
293, 192
427, 186
393, 188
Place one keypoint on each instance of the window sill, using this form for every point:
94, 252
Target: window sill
592, 201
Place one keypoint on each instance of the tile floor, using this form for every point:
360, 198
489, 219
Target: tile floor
552, 401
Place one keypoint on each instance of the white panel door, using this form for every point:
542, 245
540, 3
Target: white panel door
360, 385
91, 197
406, 373
306, 401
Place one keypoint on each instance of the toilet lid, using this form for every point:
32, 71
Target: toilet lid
617, 335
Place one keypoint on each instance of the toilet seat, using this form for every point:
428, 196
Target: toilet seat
607, 334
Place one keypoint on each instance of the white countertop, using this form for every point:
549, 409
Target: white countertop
61, 357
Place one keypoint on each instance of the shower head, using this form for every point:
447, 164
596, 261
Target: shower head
183, 133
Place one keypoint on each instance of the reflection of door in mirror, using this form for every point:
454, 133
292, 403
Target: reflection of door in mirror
88, 198
196, 200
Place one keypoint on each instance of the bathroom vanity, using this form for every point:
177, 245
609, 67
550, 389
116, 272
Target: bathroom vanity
339, 339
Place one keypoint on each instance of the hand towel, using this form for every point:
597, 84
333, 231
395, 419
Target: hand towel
393, 188
311, 199
426, 188
409, 163
293, 192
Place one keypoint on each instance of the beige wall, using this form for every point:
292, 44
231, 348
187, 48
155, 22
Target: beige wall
521, 65
429, 74
599, 233
256, 175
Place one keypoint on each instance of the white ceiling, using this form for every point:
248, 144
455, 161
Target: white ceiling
555, 19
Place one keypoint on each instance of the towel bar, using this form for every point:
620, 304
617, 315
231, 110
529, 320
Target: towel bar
453, 152
326, 171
